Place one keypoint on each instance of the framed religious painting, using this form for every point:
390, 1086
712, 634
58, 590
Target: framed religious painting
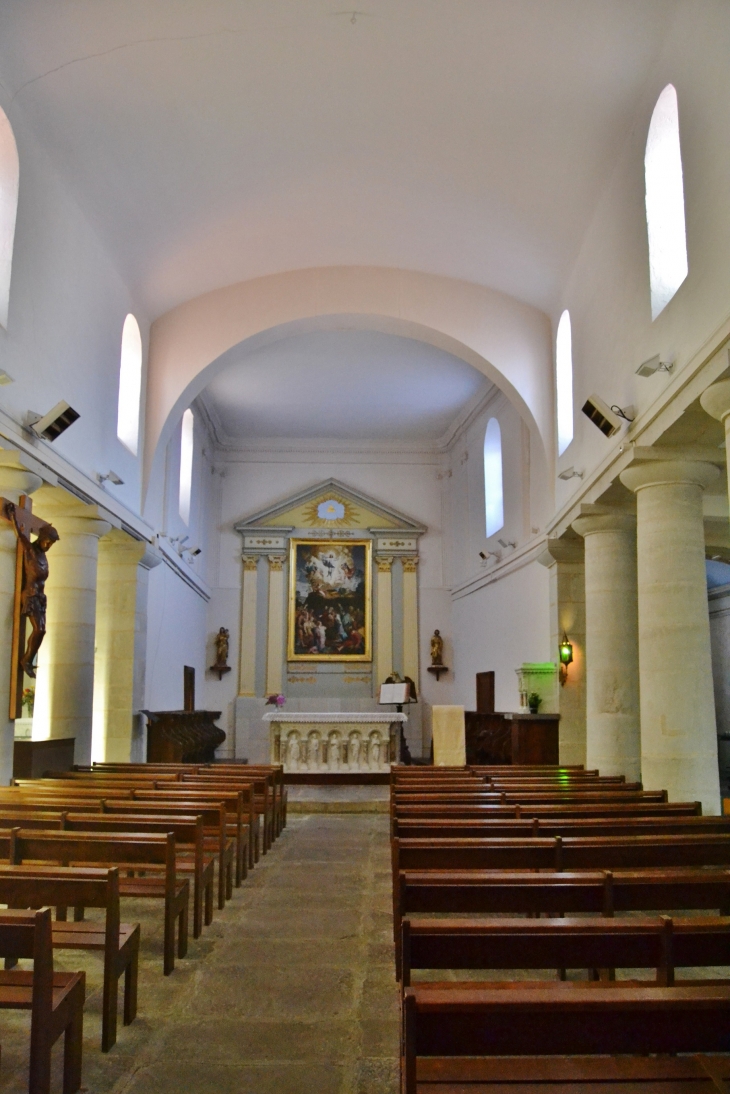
330, 600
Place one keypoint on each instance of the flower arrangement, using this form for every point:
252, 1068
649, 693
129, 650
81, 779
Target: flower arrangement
28, 700
276, 701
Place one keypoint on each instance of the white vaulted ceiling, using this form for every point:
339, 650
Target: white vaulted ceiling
343, 386
212, 141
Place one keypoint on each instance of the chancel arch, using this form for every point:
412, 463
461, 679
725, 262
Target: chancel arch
505, 339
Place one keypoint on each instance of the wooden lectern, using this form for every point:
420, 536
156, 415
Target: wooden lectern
494, 738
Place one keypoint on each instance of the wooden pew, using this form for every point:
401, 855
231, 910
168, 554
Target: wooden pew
585, 892
461, 828
557, 797
138, 852
242, 821
473, 812
190, 854
260, 788
36, 886
565, 1025
658, 942
571, 853
54, 999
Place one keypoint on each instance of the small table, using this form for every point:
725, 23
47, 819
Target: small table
342, 741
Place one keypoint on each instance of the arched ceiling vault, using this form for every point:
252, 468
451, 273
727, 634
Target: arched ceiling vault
221, 141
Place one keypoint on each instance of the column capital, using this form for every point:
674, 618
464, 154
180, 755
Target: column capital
124, 548
384, 563
589, 524
82, 526
410, 565
561, 550
276, 563
15, 477
716, 400
669, 473
250, 563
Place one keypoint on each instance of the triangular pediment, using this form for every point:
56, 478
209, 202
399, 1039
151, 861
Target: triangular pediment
330, 506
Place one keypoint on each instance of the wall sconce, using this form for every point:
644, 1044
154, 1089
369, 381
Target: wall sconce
566, 657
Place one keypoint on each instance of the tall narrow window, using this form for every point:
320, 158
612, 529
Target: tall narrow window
493, 490
186, 464
564, 382
130, 385
668, 265
9, 171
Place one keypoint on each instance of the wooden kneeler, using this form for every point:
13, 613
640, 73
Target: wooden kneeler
55, 1000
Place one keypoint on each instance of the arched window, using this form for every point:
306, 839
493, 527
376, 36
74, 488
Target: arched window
9, 171
564, 382
186, 464
130, 385
668, 265
493, 490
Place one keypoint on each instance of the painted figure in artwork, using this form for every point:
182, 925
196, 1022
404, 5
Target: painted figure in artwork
33, 599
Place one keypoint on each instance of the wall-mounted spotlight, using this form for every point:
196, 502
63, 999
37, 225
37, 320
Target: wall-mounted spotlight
604, 417
486, 555
192, 551
112, 477
653, 365
570, 473
505, 543
55, 422
566, 657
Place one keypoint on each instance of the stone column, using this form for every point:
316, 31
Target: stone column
716, 401
613, 736
15, 479
275, 632
564, 559
65, 685
249, 594
678, 735
116, 601
384, 627
410, 620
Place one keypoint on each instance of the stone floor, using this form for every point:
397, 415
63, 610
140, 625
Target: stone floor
289, 991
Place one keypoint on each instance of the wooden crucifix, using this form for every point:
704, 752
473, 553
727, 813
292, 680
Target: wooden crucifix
31, 573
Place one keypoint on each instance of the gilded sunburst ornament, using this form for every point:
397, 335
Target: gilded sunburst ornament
330, 512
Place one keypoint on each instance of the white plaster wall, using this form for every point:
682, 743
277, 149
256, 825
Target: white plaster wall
608, 290
497, 628
68, 301
176, 621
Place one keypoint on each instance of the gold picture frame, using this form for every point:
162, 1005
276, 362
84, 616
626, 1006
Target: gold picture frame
330, 611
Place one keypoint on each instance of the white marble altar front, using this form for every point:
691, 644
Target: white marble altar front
346, 741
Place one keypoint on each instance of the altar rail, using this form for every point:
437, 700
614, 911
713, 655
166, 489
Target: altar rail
344, 742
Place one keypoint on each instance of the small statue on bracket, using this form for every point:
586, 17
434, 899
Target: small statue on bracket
33, 601
221, 665
437, 665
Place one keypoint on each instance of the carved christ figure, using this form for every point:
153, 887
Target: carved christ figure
35, 574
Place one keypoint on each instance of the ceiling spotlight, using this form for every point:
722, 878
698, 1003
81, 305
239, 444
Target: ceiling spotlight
570, 473
55, 422
654, 364
110, 476
192, 551
483, 556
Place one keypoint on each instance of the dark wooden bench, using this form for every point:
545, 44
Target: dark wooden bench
447, 1032
585, 892
463, 828
135, 853
659, 943
242, 821
571, 853
529, 797
259, 787
55, 999
191, 856
58, 886
517, 810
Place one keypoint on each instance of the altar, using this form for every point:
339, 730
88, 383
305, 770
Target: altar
329, 742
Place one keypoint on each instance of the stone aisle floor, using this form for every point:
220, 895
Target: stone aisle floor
291, 990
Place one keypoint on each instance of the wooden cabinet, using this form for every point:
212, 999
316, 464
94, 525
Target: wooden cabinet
493, 738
